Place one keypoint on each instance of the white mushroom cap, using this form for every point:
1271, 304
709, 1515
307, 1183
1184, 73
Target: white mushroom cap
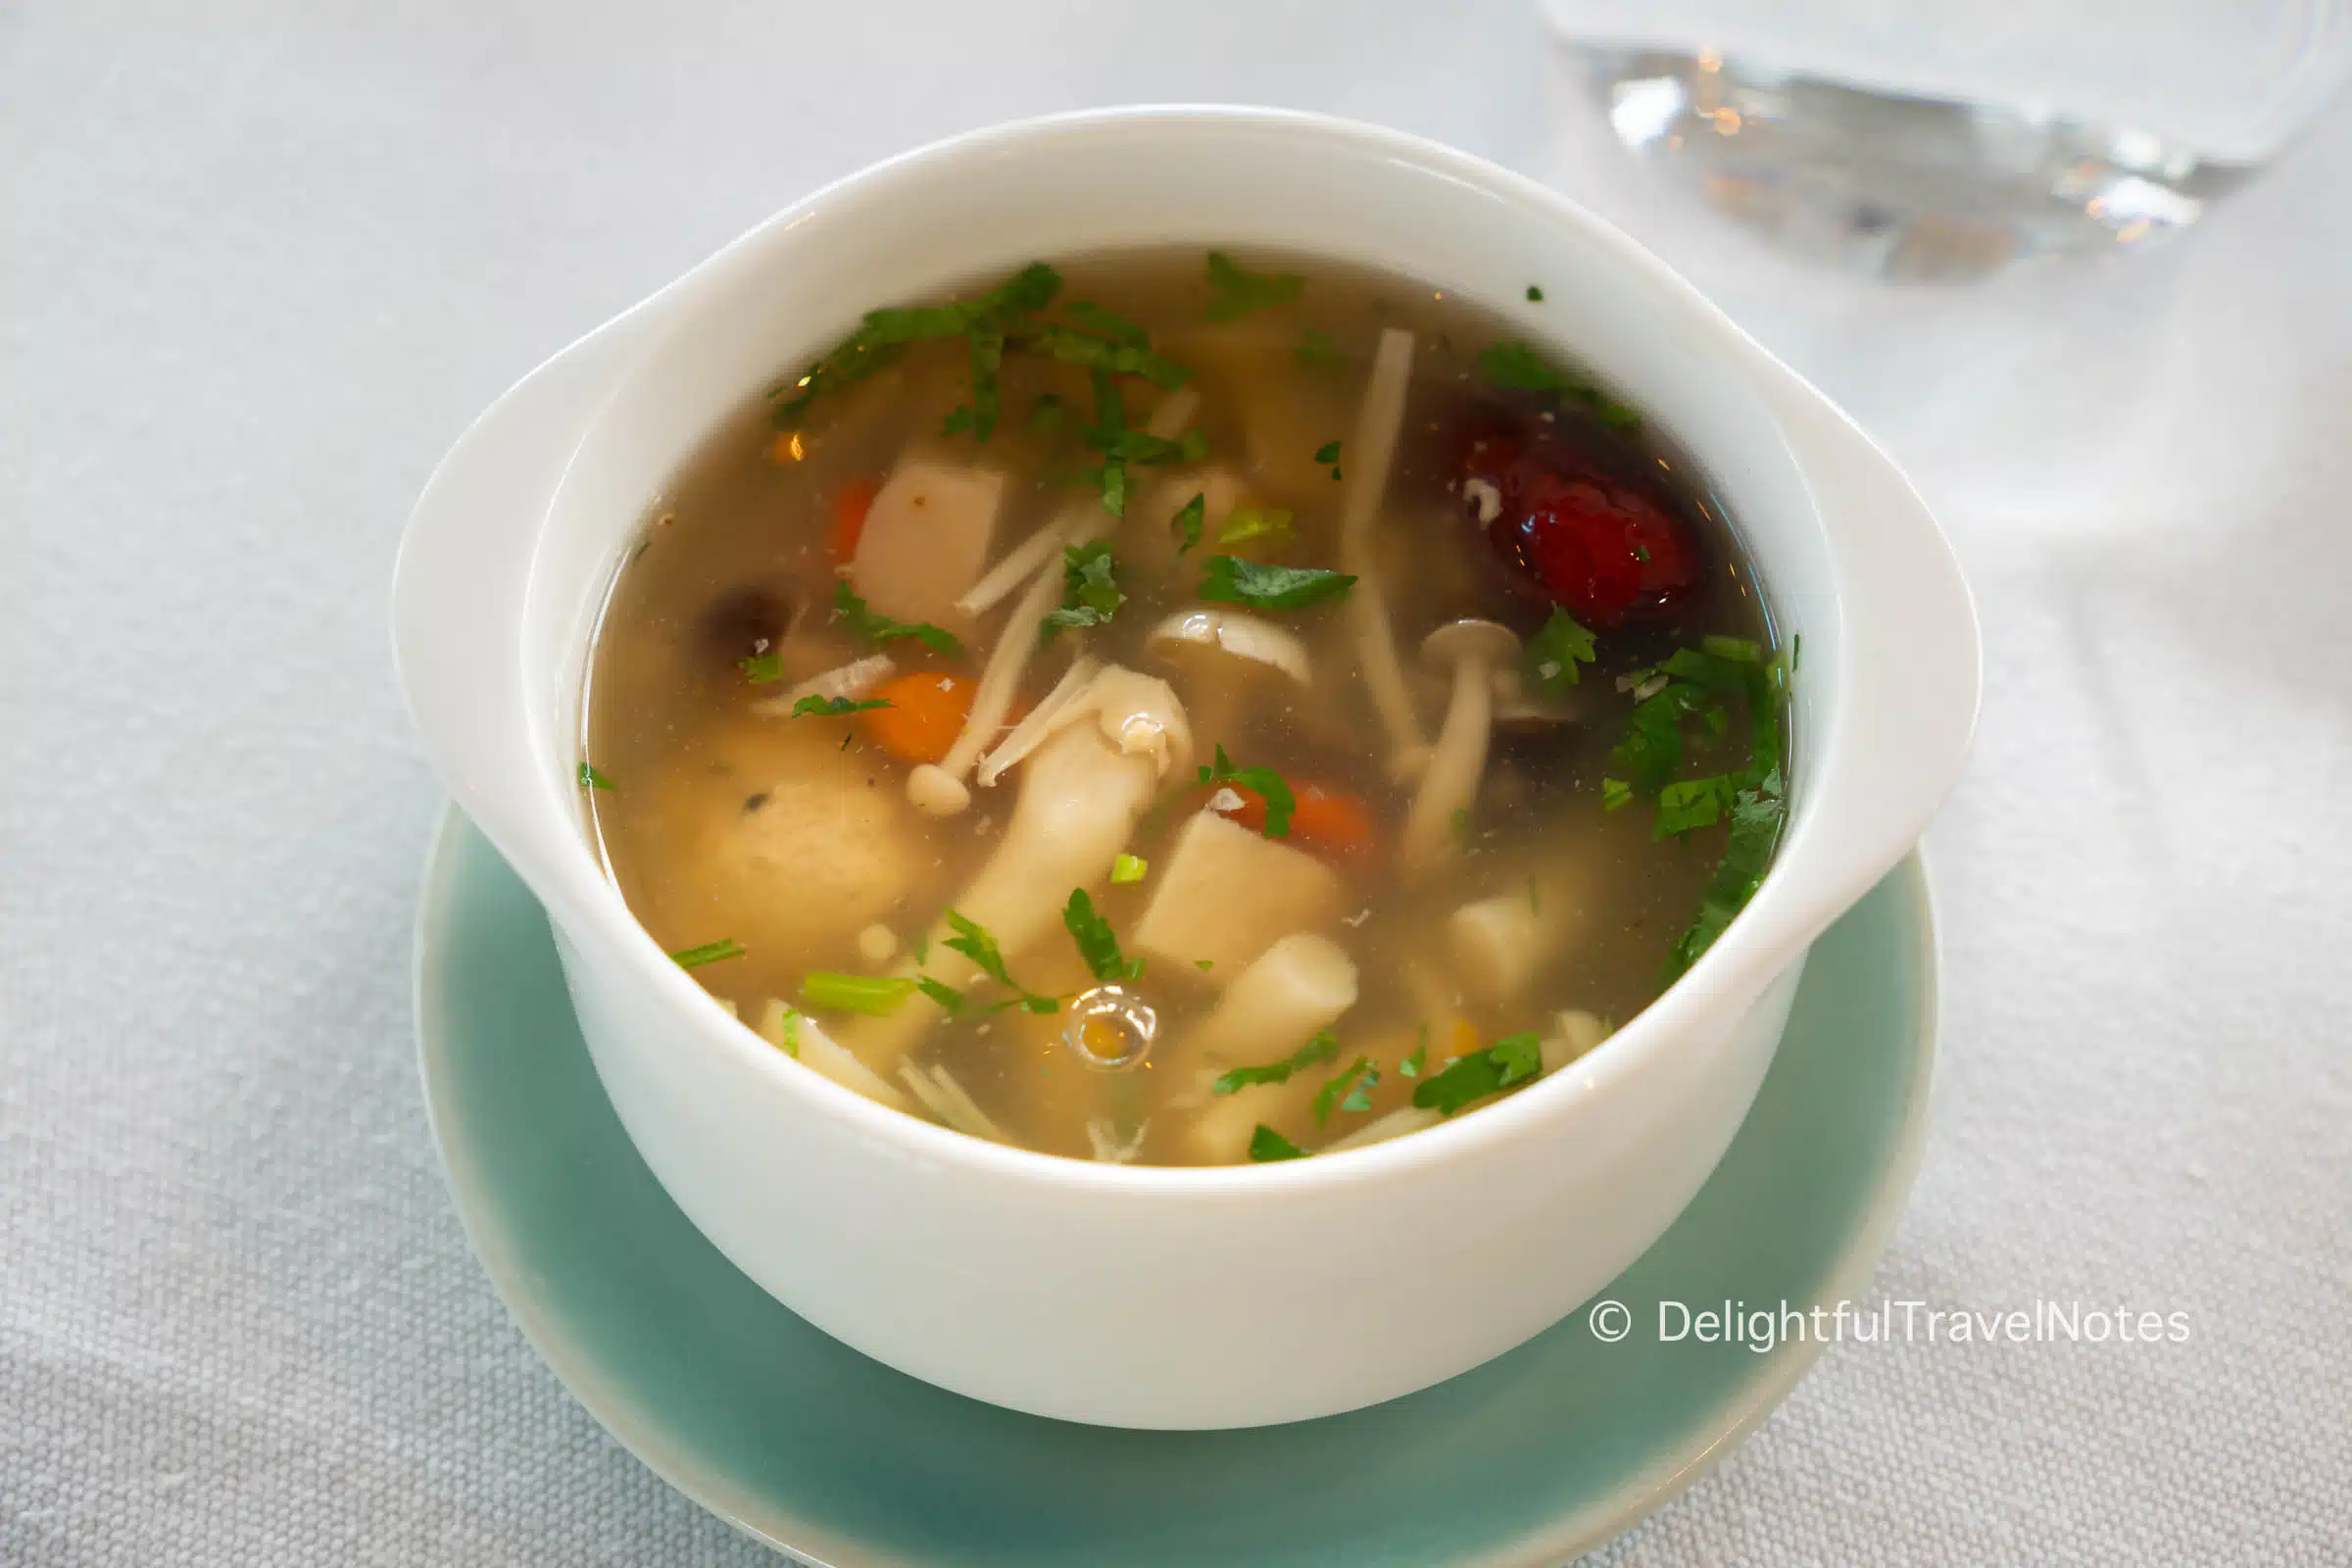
1459, 642
1245, 636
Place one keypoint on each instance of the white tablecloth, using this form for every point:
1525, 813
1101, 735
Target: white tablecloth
257, 271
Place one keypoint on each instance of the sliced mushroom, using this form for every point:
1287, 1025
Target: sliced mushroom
816, 1049
1573, 1033
1472, 650
1498, 943
1031, 732
853, 679
1301, 985
938, 788
1367, 461
1245, 636
926, 537
1080, 794
946, 1100
1226, 895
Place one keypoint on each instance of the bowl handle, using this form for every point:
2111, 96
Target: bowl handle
460, 585
1904, 655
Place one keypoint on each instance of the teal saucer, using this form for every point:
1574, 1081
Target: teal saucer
807, 1444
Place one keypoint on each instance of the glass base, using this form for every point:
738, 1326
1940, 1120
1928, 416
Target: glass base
1908, 188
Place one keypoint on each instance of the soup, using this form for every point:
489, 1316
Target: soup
1186, 710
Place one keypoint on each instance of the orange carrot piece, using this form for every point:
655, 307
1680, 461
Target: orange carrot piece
851, 503
1327, 819
926, 712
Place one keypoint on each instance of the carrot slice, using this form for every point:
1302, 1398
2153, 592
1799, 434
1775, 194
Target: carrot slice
851, 503
926, 712
1327, 819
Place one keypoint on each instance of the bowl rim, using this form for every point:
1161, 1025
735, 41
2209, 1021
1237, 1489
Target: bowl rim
1746, 956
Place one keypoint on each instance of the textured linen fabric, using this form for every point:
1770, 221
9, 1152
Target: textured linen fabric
260, 265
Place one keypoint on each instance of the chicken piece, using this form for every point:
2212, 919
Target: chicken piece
785, 844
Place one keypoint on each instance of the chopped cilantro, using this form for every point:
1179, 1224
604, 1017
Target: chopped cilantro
1256, 523
1228, 579
708, 952
1266, 1146
1188, 520
939, 990
1106, 322
1411, 1065
850, 611
1328, 451
591, 779
1113, 357
1327, 1097
1614, 792
1096, 943
1238, 291
1317, 346
761, 670
1693, 802
876, 994
1756, 818
885, 333
1517, 366
1534, 295
1796, 651
1512, 1060
1322, 1047
1089, 595
1119, 446
835, 706
1269, 786
790, 1033
1204, 964
1128, 868
974, 943
1554, 653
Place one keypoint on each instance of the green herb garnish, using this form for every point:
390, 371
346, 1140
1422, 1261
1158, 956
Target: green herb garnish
1328, 451
762, 669
850, 611
1090, 594
876, 994
974, 943
1204, 964
1317, 346
1266, 1146
1515, 364
790, 1030
1322, 1047
708, 952
1327, 1097
1238, 291
1268, 785
1554, 653
1073, 347
1410, 1066
1119, 446
835, 706
1128, 868
1756, 818
1188, 520
885, 334
1231, 580
591, 779
1512, 1060
1098, 944
1534, 295
939, 990
1256, 523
